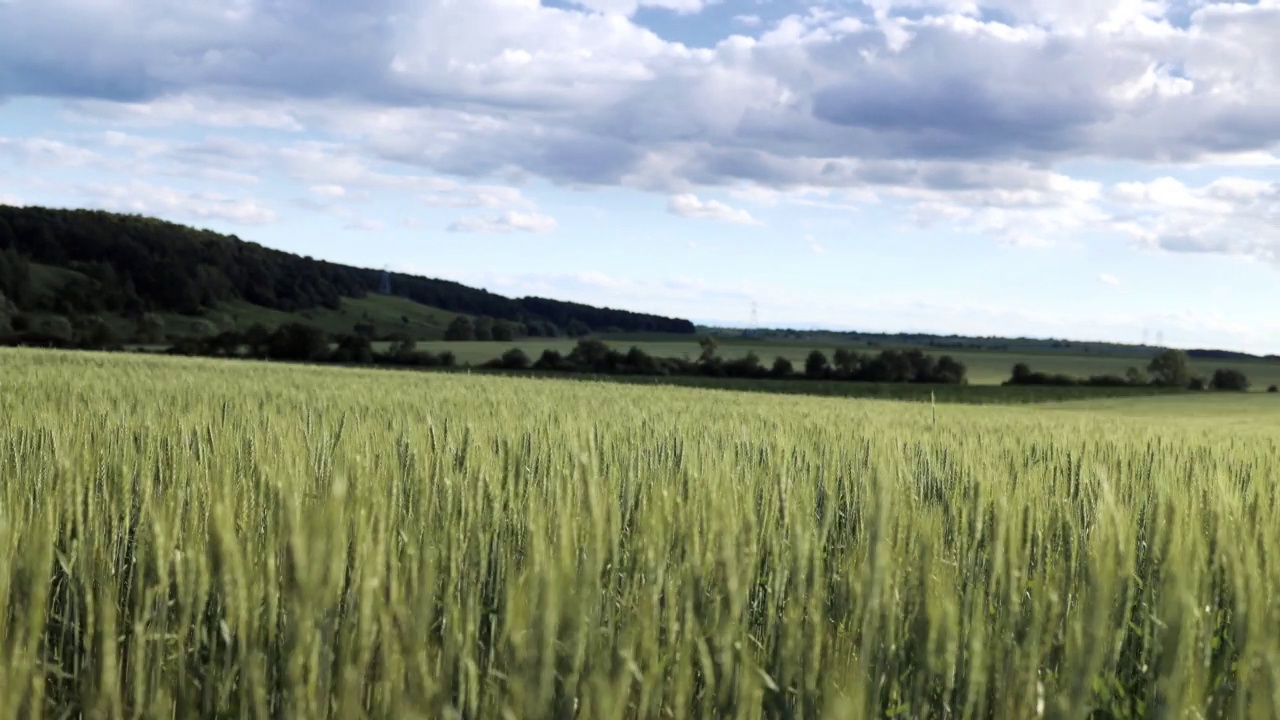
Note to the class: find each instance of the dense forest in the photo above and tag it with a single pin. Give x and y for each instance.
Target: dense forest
(131, 265)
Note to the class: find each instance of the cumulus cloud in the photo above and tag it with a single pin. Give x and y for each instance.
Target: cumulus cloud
(964, 111)
(1230, 215)
(912, 80)
(507, 222)
(688, 205)
(1108, 279)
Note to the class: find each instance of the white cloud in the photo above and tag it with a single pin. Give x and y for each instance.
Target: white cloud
(192, 110)
(935, 105)
(691, 206)
(1230, 216)
(507, 222)
(457, 195)
(629, 7)
(814, 246)
(329, 191)
(1108, 279)
(44, 153)
(145, 198)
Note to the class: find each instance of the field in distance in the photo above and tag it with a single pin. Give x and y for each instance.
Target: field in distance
(221, 538)
(986, 367)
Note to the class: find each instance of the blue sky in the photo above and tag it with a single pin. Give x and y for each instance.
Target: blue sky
(1065, 168)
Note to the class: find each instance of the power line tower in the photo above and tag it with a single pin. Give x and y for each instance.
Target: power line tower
(1160, 339)
(384, 284)
(755, 315)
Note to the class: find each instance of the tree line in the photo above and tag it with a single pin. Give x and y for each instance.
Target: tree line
(303, 343)
(596, 357)
(1169, 368)
(130, 264)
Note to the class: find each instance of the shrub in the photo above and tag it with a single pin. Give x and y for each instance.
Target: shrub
(745, 367)
(1273, 388)
(1230, 379)
(782, 368)
(515, 359)
(550, 360)
(639, 361)
(297, 341)
(353, 349)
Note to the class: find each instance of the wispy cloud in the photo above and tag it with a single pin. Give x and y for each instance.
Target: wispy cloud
(689, 205)
(507, 222)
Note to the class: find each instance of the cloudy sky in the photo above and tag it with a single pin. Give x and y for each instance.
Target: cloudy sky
(1071, 168)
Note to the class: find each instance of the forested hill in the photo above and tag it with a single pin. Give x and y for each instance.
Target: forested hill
(129, 264)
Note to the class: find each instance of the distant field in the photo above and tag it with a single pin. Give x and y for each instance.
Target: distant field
(985, 367)
(903, 392)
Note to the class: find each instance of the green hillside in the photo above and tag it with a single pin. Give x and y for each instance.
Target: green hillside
(84, 264)
(389, 314)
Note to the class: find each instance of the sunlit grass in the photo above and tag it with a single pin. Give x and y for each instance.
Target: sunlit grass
(187, 538)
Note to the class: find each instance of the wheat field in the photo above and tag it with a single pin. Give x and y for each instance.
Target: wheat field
(198, 538)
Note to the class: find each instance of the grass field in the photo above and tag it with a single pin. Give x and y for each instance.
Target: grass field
(195, 538)
(985, 367)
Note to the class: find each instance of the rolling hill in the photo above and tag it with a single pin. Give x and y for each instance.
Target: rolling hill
(119, 267)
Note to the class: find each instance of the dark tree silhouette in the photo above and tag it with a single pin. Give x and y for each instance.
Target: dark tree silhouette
(460, 329)
(816, 365)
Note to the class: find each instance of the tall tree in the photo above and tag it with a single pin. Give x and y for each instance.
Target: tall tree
(460, 330)
(816, 365)
(1171, 368)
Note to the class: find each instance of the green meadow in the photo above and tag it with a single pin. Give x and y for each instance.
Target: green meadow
(204, 538)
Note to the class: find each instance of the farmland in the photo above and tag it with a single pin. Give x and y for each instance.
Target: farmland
(186, 537)
(986, 367)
